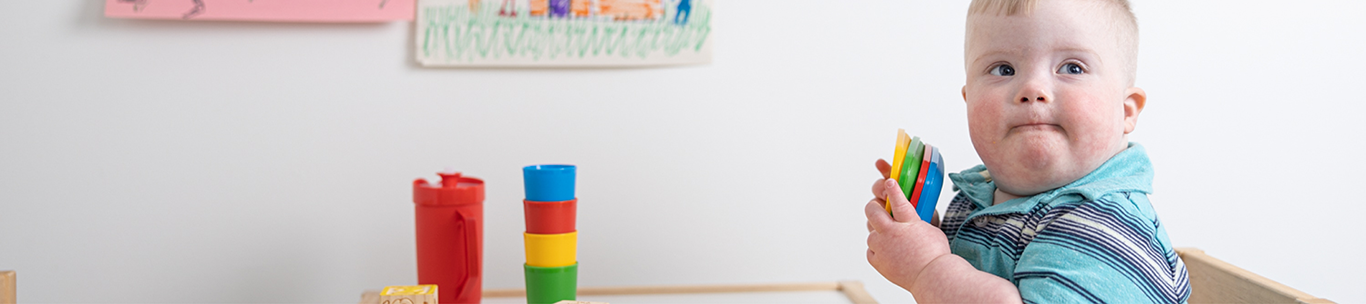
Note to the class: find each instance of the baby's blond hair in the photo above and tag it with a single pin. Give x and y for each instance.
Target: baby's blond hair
(1123, 23)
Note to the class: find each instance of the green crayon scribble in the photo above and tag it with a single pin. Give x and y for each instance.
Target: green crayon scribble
(454, 34)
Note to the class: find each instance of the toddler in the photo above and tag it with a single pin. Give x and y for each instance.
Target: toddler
(1059, 210)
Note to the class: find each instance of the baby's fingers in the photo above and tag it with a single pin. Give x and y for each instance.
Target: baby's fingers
(884, 167)
(878, 187)
(901, 207)
(877, 215)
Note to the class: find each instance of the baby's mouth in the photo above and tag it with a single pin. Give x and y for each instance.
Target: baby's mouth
(1036, 127)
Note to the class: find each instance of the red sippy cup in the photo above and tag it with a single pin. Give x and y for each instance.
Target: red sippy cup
(450, 236)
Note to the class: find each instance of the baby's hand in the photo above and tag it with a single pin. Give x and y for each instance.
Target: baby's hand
(899, 248)
(881, 184)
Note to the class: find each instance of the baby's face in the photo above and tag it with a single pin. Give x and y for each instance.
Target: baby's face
(1048, 97)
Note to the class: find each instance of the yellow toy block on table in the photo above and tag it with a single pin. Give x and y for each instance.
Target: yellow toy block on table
(7, 290)
(418, 294)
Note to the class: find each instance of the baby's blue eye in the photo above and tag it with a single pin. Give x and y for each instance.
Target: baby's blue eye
(1071, 68)
(1003, 70)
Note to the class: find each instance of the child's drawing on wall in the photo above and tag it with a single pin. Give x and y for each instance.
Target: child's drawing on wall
(631, 9)
(623, 10)
(563, 32)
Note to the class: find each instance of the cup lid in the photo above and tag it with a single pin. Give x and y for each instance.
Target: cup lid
(453, 189)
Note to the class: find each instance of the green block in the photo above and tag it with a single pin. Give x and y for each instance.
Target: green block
(910, 167)
(547, 285)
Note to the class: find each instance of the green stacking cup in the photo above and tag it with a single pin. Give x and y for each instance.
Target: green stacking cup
(547, 285)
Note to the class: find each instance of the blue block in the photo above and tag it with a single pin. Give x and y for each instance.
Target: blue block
(934, 182)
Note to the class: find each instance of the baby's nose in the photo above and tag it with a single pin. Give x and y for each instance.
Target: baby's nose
(1026, 99)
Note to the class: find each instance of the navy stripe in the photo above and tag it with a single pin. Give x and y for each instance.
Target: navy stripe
(1159, 285)
(958, 211)
(1103, 230)
(1133, 234)
(1119, 259)
(1114, 263)
(1129, 233)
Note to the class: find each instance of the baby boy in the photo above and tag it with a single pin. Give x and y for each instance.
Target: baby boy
(1059, 211)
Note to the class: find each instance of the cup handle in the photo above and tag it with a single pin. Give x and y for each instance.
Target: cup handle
(471, 249)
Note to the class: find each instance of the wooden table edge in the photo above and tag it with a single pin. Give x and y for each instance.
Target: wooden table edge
(852, 289)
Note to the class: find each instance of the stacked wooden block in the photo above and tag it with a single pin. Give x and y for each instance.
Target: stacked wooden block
(417, 294)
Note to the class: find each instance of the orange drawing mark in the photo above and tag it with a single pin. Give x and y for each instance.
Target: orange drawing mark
(631, 9)
(540, 7)
(580, 8)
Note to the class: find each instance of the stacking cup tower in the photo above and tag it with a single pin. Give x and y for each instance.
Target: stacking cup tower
(552, 267)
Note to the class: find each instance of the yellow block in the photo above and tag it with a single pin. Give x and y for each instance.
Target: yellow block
(419, 294)
(551, 250)
(903, 142)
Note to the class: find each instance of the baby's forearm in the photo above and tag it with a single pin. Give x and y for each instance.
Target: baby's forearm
(951, 279)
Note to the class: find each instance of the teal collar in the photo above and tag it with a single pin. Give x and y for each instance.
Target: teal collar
(1127, 171)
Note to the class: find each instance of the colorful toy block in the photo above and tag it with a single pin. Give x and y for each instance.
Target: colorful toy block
(918, 169)
(417, 294)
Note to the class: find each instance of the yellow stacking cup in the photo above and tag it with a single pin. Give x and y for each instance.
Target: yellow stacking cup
(551, 250)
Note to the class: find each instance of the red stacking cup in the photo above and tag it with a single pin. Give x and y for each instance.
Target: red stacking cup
(450, 236)
(549, 217)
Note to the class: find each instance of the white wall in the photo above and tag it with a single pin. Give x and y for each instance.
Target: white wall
(155, 161)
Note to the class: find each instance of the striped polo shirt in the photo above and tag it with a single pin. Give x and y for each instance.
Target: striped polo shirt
(1096, 240)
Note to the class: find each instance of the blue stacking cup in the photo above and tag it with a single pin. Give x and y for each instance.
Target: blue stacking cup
(548, 183)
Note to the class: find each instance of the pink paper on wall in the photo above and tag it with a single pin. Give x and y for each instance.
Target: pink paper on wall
(264, 10)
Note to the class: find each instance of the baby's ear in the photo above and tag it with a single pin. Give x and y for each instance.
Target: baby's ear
(1134, 99)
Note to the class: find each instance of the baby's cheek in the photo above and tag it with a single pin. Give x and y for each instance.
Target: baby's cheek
(1098, 127)
(983, 111)
(983, 119)
(986, 124)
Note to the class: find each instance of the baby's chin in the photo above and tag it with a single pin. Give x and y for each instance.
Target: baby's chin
(1029, 183)
(1031, 169)
(1030, 161)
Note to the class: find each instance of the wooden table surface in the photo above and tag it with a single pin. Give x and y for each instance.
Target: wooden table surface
(824, 292)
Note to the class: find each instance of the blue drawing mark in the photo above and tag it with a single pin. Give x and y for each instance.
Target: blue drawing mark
(684, 10)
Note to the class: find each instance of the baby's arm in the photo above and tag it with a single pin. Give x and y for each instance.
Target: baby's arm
(915, 255)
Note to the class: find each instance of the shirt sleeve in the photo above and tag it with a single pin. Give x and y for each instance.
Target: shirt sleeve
(1104, 251)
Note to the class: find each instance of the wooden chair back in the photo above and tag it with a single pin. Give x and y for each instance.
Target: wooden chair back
(1215, 281)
